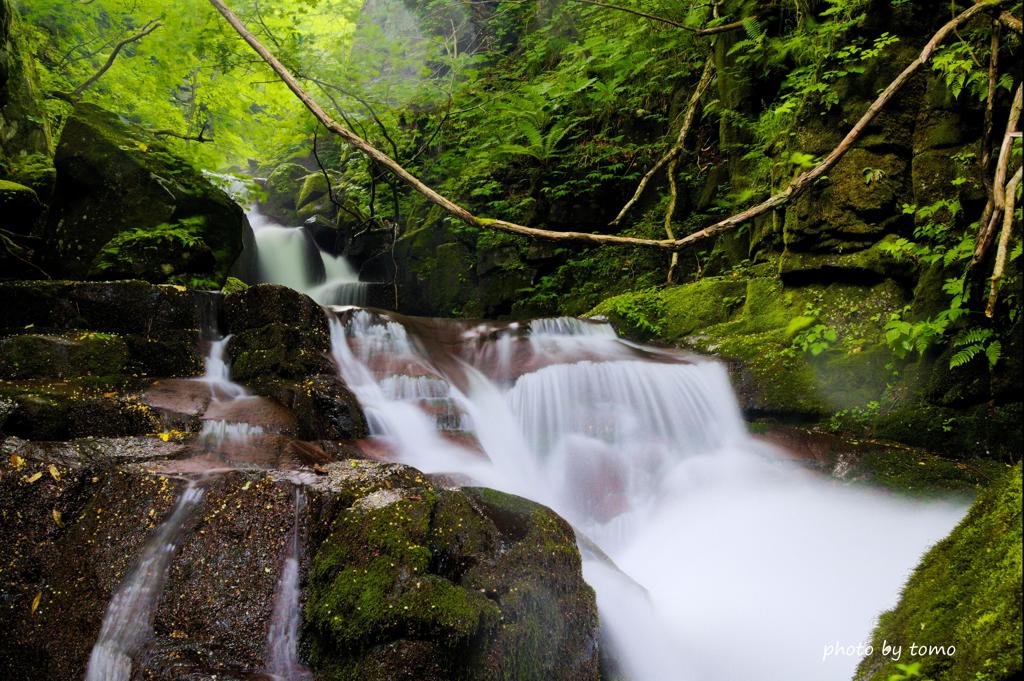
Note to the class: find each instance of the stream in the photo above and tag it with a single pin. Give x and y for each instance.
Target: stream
(714, 557)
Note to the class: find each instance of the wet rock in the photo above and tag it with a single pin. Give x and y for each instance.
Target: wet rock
(469, 584)
(126, 206)
(48, 410)
(74, 354)
(324, 406)
(72, 566)
(212, 617)
(19, 207)
(265, 304)
(134, 307)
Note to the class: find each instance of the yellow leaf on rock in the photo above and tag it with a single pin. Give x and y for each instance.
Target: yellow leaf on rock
(17, 462)
(36, 601)
(57, 518)
(32, 478)
(54, 473)
(164, 436)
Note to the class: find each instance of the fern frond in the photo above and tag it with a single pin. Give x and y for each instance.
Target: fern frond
(973, 336)
(994, 351)
(964, 356)
(753, 28)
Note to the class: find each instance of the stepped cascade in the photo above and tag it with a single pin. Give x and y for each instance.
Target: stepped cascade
(689, 526)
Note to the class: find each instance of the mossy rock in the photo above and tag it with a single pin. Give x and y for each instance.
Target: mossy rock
(965, 594)
(314, 187)
(19, 207)
(871, 264)
(282, 186)
(65, 410)
(127, 307)
(23, 123)
(115, 179)
(855, 209)
(255, 306)
(413, 582)
(158, 254)
(83, 353)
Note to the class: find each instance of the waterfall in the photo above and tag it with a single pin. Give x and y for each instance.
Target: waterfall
(283, 636)
(288, 255)
(719, 558)
(127, 624)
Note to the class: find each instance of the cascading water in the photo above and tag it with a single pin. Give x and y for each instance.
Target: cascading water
(719, 559)
(128, 621)
(289, 255)
(283, 636)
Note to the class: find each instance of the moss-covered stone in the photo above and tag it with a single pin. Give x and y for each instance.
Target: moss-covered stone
(965, 594)
(118, 187)
(23, 124)
(160, 254)
(55, 410)
(127, 307)
(19, 207)
(233, 285)
(83, 353)
(412, 582)
(282, 188)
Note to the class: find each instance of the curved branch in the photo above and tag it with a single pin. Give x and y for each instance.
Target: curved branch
(799, 184)
(1004, 242)
(146, 29)
(677, 148)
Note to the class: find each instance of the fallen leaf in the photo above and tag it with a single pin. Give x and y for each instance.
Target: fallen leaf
(164, 436)
(57, 518)
(17, 462)
(54, 473)
(35, 476)
(36, 601)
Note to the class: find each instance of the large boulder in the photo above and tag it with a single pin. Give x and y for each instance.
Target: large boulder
(412, 582)
(127, 207)
(400, 579)
(280, 347)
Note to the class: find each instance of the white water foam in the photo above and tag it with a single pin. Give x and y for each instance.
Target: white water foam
(732, 561)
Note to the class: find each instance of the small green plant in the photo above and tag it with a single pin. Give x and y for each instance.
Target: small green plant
(908, 671)
(810, 335)
(973, 342)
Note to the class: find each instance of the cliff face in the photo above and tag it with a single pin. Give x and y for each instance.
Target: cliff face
(23, 127)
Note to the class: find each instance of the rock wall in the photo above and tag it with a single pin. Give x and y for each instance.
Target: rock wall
(126, 207)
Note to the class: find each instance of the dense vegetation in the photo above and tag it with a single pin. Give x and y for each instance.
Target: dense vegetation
(876, 297)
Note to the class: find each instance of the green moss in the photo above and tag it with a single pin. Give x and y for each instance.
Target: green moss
(233, 285)
(966, 592)
(169, 253)
(75, 354)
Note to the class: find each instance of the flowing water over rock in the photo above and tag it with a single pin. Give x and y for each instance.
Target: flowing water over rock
(283, 636)
(713, 556)
(127, 625)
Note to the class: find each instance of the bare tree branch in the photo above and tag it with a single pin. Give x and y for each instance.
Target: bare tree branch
(677, 148)
(146, 29)
(994, 207)
(167, 132)
(1004, 242)
(799, 184)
